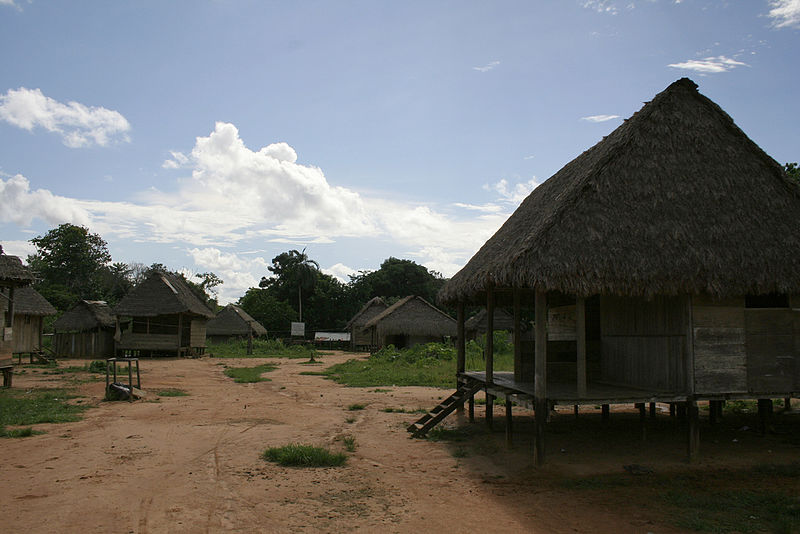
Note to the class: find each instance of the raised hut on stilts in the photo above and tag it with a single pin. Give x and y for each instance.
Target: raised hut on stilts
(674, 244)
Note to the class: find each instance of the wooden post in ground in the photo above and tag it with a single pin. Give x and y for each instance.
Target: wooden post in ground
(605, 413)
(653, 410)
(540, 378)
(764, 412)
(580, 338)
(471, 408)
(642, 419)
(461, 353)
(489, 353)
(509, 417)
(575, 409)
(693, 433)
(787, 404)
(672, 409)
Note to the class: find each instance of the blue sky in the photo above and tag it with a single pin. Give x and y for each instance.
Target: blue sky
(211, 135)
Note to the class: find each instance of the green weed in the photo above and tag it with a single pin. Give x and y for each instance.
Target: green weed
(349, 443)
(355, 407)
(172, 392)
(243, 375)
(262, 348)
(297, 455)
(31, 407)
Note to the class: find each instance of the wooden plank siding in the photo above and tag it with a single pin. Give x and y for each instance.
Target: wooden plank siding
(770, 343)
(719, 345)
(27, 333)
(644, 342)
(91, 344)
(197, 338)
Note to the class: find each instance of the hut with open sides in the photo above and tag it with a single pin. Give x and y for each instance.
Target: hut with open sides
(232, 322)
(674, 243)
(359, 338)
(30, 309)
(85, 331)
(13, 275)
(408, 322)
(161, 316)
(477, 324)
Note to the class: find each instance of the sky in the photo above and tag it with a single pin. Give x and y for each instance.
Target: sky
(212, 135)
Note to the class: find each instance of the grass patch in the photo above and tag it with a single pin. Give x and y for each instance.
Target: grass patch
(246, 375)
(313, 373)
(349, 443)
(262, 348)
(404, 410)
(20, 407)
(431, 364)
(350, 420)
(355, 407)
(297, 455)
(172, 392)
(18, 432)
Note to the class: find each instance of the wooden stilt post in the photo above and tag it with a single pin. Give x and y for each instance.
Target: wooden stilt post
(509, 417)
(471, 406)
(672, 409)
(787, 404)
(461, 352)
(605, 413)
(653, 410)
(575, 409)
(693, 433)
(580, 337)
(540, 377)
(713, 411)
(489, 353)
(764, 412)
(518, 365)
(681, 411)
(642, 419)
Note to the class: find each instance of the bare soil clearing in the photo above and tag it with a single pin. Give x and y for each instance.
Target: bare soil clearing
(191, 464)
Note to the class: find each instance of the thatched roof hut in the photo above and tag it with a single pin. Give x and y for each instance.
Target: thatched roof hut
(12, 272)
(676, 200)
(360, 338)
(30, 307)
(85, 331)
(410, 321)
(477, 324)
(28, 301)
(166, 318)
(233, 322)
(670, 251)
(13, 275)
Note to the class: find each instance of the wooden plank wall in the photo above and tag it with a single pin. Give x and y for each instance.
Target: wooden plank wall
(643, 342)
(720, 354)
(198, 335)
(771, 356)
(91, 344)
(26, 332)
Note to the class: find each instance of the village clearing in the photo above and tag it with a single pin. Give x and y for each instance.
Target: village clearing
(187, 458)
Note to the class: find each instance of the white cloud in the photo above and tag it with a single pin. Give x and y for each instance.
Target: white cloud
(601, 6)
(78, 125)
(599, 118)
(340, 271)
(486, 68)
(785, 13)
(10, 3)
(178, 160)
(709, 65)
(514, 194)
(20, 249)
(238, 274)
(20, 205)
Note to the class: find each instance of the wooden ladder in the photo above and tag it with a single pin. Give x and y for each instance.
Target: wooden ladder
(466, 390)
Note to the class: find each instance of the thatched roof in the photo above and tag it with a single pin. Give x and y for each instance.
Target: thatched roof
(161, 294)
(413, 316)
(502, 321)
(369, 310)
(85, 315)
(28, 301)
(676, 200)
(12, 272)
(234, 321)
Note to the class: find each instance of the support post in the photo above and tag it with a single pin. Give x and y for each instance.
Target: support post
(472, 408)
(461, 350)
(489, 353)
(693, 433)
(787, 404)
(540, 378)
(580, 337)
(764, 412)
(509, 417)
(605, 413)
(517, 337)
(642, 419)
(653, 410)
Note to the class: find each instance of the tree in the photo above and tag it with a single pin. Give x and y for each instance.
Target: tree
(69, 261)
(792, 170)
(292, 271)
(115, 281)
(273, 314)
(397, 278)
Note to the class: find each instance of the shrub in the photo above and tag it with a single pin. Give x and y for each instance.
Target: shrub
(297, 455)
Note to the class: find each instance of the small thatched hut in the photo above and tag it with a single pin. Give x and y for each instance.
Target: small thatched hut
(30, 309)
(360, 338)
(161, 316)
(408, 322)
(85, 331)
(674, 244)
(13, 275)
(232, 322)
(477, 324)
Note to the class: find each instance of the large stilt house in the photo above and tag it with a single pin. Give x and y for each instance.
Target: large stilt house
(161, 316)
(674, 247)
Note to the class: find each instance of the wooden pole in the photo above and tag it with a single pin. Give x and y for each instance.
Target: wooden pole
(540, 378)
(461, 350)
(642, 419)
(693, 434)
(605, 413)
(489, 353)
(509, 417)
(517, 336)
(580, 336)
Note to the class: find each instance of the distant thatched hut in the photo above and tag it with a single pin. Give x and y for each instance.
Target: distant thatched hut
(232, 322)
(477, 324)
(13, 275)
(408, 322)
(161, 316)
(85, 331)
(30, 309)
(674, 244)
(360, 338)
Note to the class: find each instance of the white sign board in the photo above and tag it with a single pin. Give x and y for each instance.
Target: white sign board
(299, 329)
(332, 336)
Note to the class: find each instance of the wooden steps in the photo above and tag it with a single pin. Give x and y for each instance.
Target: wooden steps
(466, 390)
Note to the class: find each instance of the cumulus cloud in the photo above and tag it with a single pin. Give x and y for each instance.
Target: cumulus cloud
(513, 194)
(20, 249)
(486, 68)
(599, 118)
(340, 271)
(237, 273)
(709, 65)
(785, 13)
(20, 205)
(78, 125)
(601, 6)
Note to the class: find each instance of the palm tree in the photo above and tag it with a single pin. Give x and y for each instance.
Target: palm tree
(305, 274)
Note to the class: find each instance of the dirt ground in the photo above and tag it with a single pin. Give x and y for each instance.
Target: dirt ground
(191, 464)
